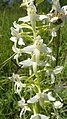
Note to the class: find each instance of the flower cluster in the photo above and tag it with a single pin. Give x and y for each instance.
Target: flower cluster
(38, 62)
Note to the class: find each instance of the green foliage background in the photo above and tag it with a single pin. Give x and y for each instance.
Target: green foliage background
(8, 100)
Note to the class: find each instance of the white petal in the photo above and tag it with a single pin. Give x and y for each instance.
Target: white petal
(24, 19)
(16, 56)
(14, 32)
(21, 103)
(48, 50)
(33, 99)
(14, 39)
(29, 49)
(41, 17)
(54, 19)
(26, 63)
(53, 58)
(50, 97)
(44, 64)
(52, 78)
(64, 9)
(39, 116)
(53, 33)
(20, 42)
(22, 112)
(18, 87)
(17, 26)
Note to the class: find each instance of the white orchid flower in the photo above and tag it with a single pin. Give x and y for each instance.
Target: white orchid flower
(64, 9)
(58, 104)
(17, 52)
(18, 87)
(18, 84)
(39, 116)
(58, 69)
(39, 97)
(16, 35)
(57, 16)
(24, 106)
(31, 11)
(30, 62)
(32, 16)
(16, 77)
(50, 97)
(35, 51)
(38, 45)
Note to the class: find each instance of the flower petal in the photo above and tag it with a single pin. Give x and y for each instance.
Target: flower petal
(39, 116)
(20, 42)
(50, 97)
(24, 19)
(26, 63)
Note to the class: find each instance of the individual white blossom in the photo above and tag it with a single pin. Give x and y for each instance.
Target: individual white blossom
(39, 116)
(35, 50)
(16, 35)
(18, 87)
(18, 53)
(64, 9)
(58, 104)
(38, 97)
(30, 62)
(16, 77)
(32, 16)
(58, 69)
(18, 84)
(23, 106)
(38, 45)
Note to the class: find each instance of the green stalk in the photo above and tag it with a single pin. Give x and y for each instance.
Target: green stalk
(24, 116)
(57, 46)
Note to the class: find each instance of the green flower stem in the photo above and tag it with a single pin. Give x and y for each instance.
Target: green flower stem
(34, 109)
(57, 46)
(24, 116)
(30, 71)
(34, 33)
(38, 84)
